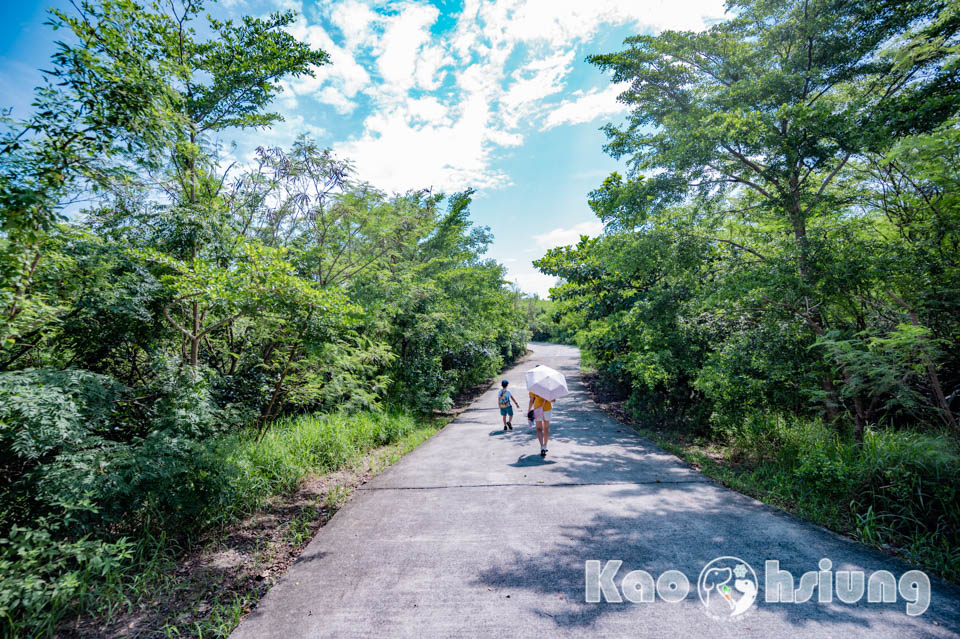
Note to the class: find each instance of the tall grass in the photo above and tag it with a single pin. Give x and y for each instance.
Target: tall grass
(898, 491)
(299, 446)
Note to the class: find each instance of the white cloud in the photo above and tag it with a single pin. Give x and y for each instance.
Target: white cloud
(595, 103)
(530, 280)
(566, 237)
(355, 21)
(443, 105)
(427, 110)
(532, 83)
(402, 52)
(283, 136)
(336, 83)
(560, 22)
(432, 60)
(404, 147)
(336, 98)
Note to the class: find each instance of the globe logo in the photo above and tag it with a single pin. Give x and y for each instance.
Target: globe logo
(727, 587)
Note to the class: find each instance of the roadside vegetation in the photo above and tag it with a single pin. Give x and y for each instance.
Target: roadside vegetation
(185, 335)
(283, 491)
(546, 325)
(776, 294)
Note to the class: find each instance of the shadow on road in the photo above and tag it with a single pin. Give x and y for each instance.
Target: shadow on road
(683, 528)
(659, 515)
(475, 535)
(528, 461)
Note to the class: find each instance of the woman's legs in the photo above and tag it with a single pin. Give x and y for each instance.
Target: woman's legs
(543, 432)
(538, 418)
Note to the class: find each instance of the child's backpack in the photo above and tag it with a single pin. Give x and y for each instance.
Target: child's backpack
(503, 399)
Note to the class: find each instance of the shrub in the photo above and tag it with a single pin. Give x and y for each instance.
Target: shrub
(898, 488)
(46, 418)
(912, 481)
(73, 450)
(43, 576)
(174, 485)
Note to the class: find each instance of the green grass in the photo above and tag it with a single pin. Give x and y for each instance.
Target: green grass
(899, 491)
(301, 448)
(248, 475)
(220, 621)
(304, 445)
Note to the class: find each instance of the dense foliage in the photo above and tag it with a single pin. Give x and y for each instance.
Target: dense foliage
(786, 240)
(546, 324)
(188, 302)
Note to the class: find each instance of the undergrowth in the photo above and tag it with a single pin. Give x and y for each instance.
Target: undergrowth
(46, 574)
(899, 491)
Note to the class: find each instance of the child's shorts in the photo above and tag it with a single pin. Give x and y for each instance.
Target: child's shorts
(507, 411)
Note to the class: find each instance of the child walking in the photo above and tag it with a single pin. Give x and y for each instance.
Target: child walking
(503, 400)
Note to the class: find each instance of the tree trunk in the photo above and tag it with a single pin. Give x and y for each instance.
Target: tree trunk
(195, 339)
(831, 405)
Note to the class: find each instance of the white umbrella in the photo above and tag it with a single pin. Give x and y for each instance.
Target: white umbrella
(546, 382)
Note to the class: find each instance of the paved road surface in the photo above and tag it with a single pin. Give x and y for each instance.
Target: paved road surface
(473, 535)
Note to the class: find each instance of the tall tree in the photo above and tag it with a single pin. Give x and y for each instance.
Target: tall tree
(104, 95)
(773, 104)
(226, 79)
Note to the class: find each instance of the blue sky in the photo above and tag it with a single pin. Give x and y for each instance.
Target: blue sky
(448, 94)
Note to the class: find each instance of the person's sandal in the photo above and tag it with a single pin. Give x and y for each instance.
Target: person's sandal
(510, 425)
(504, 427)
(543, 452)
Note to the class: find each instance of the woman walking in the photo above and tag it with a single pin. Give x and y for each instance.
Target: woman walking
(541, 415)
(545, 385)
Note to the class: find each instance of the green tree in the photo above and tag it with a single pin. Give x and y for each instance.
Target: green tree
(771, 106)
(96, 104)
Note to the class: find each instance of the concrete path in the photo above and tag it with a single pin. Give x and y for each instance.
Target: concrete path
(473, 535)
